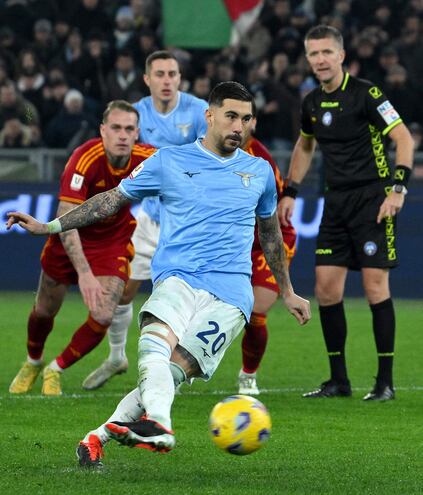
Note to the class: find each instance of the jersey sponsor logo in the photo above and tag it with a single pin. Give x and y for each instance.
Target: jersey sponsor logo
(76, 182)
(150, 130)
(388, 112)
(184, 128)
(370, 248)
(136, 171)
(324, 251)
(327, 119)
(101, 183)
(329, 104)
(191, 174)
(245, 178)
(375, 92)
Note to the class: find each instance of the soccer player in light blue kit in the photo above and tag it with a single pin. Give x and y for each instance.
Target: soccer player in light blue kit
(202, 292)
(167, 117)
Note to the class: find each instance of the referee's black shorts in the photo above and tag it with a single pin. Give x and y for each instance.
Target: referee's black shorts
(349, 235)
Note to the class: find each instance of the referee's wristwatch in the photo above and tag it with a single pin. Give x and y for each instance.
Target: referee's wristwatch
(400, 188)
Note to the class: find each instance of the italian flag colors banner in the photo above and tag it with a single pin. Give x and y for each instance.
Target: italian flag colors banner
(207, 23)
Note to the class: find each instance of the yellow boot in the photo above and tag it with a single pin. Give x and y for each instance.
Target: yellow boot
(51, 382)
(25, 379)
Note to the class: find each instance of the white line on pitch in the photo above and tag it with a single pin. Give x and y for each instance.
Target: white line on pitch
(96, 395)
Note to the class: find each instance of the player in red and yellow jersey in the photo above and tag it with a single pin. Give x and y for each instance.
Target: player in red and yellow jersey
(265, 288)
(96, 257)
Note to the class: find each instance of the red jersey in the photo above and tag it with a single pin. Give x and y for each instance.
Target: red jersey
(87, 173)
(255, 148)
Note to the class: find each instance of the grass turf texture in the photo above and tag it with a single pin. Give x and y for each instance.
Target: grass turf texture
(328, 446)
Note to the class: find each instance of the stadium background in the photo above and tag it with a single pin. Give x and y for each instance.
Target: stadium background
(60, 62)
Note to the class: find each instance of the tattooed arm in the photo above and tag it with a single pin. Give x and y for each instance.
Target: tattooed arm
(101, 206)
(90, 287)
(271, 242)
(72, 242)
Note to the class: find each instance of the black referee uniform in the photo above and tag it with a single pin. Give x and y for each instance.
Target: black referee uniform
(350, 125)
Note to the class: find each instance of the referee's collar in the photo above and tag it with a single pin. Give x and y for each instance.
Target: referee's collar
(344, 83)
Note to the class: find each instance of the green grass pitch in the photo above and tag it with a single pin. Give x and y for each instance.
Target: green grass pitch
(332, 446)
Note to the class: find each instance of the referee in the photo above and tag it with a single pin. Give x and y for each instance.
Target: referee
(350, 119)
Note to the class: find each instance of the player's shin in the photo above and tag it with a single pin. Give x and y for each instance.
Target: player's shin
(156, 383)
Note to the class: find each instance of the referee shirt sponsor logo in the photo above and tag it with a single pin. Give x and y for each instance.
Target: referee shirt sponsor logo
(327, 119)
(388, 112)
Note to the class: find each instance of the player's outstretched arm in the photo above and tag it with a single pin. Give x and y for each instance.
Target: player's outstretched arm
(271, 242)
(97, 208)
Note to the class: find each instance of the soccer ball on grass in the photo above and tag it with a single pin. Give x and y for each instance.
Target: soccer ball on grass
(239, 424)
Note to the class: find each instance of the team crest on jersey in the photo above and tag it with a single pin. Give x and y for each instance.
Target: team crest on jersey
(76, 182)
(327, 119)
(245, 178)
(375, 92)
(136, 171)
(370, 248)
(184, 128)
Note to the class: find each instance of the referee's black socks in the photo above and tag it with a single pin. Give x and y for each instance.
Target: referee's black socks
(334, 326)
(384, 332)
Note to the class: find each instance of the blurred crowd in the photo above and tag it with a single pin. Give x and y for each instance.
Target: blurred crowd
(62, 60)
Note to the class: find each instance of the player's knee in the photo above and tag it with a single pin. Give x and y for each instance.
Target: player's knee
(327, 295)
(45, 310)
(104, 318)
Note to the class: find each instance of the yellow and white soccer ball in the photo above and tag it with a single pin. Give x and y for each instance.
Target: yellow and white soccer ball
(240, 424)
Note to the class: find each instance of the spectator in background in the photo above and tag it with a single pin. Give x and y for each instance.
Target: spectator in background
(201, 87)
(142, 44)
(125, 81)
(96, 62)
(124, 27)
(363, 60)
(402, 95)
(274, 108)
(30, 77)
(44, 45)
(256, 42)
(61, 29)
(17, 14)
(410, 49)
(9, 48)
(276, 17)
(14, 134)
(388, 57)
(146, 14)
(89, 15)
(279, 65)
(54, 92)
(70, 120)
(13, 104)
(72, 52)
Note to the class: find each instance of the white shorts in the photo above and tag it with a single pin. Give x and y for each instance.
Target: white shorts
(144, 238)
(205, 325)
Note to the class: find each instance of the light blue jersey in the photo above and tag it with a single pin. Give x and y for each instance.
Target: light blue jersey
(208, 206)
(184, 124)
